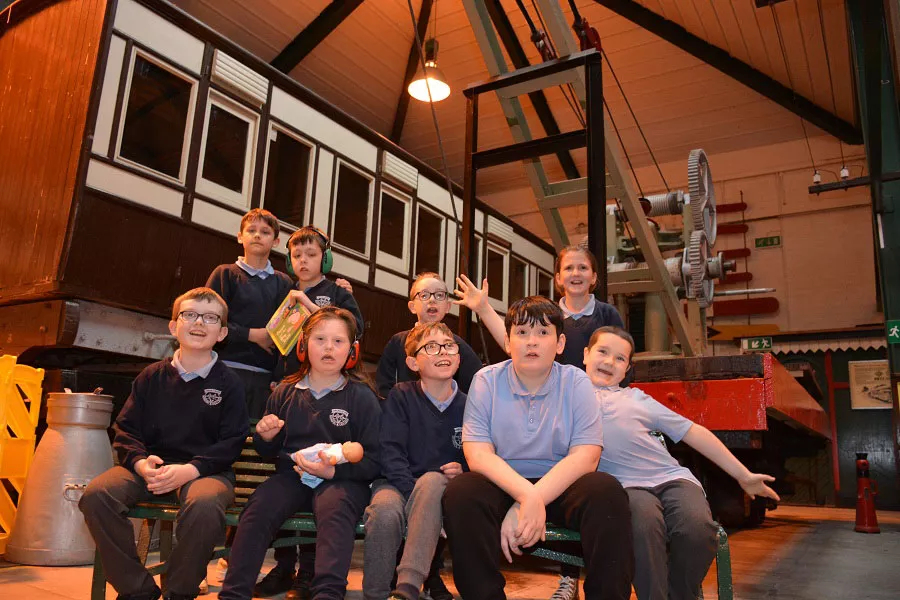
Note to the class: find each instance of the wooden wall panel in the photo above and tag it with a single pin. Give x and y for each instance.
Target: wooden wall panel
(46, 75)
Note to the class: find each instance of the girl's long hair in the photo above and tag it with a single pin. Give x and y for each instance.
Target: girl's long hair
(356, 373)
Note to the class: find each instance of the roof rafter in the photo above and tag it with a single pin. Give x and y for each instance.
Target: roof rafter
(313, 34)
(412, 65)
(721, 60)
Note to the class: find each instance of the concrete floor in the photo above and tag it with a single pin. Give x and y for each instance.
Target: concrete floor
(799, 553)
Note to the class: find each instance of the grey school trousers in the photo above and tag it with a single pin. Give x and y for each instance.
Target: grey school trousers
(200, 523)
(386, 519)
(676, 514)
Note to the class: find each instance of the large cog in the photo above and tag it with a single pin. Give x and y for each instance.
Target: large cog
(700, 285)
(703, 195)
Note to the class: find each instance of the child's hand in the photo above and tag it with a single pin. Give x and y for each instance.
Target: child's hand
(172, 477)
(269, 426)
(469, 295)
(148, 468)
(532, 520)
(295, 296)
(341, 282)
(322, 469)
(451, 469)
(509, 541)
(755, 485)
(261, 338)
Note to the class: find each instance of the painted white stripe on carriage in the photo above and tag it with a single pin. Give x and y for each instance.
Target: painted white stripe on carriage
(281, 248)
(322, 200)
(532, 252)
(391, 283)
(438, 197)
(107, 109)
(350, 267)
(160, 35)
(479, 221)
(123, 184)
(454, 310)
(451, 264)
(316, 125)
(216, 217)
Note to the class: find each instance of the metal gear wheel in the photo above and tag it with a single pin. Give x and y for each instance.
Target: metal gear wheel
(703, 195)
(698, 284)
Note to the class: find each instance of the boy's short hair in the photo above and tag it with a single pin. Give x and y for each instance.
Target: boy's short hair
(534, 310)
(420, 277)
(261, 214)
(200, 293)
(308, 234)
(420, 332)
(616, 331)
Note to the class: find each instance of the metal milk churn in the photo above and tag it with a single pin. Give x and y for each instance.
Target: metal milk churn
(49, 529)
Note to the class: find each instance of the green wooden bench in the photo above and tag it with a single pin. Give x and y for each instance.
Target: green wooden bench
(251, 470)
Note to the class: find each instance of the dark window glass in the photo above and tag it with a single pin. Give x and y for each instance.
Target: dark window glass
(517, 276)
(428, 242)
(226, 149)
(392, 228)
(351, 209)
(495, 273)
(287, 175)
(545, 285)
(155, 118)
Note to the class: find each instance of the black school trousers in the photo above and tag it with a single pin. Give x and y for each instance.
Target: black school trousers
(337, 506)
(595, 505)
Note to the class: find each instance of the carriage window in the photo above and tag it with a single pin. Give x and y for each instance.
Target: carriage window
(393, 230)
(226, 156)
(496, 272)
(287, 177)
(545, 284)
(518, 279)
(352, 207)
(429, 241)
(157, 117)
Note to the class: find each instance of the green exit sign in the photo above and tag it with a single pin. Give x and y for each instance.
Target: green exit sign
(893, 332)
(757, 344)
(771, 241)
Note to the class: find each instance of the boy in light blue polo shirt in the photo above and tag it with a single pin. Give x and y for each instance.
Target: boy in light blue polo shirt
(532, 436)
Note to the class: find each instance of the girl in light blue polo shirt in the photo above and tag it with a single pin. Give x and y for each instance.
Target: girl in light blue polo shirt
(668, 505)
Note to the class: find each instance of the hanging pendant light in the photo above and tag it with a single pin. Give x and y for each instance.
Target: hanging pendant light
(430, 84)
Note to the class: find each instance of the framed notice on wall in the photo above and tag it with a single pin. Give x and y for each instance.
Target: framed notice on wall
(870, 384)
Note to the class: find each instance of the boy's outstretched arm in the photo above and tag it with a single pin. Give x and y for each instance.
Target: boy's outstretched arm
(703, 441)
(476, 300)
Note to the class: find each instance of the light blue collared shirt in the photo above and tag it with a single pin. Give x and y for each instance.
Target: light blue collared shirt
(303, 384)
(202, 372)
(587, 311)
(252, 272)
(442, 406)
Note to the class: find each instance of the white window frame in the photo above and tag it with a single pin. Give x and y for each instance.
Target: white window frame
(526, 287)
(189, 123)
(401, 265)
(213, 190)
(275, 129)
(537, 282)
(371, 207)
(500, 305)
(420, 206)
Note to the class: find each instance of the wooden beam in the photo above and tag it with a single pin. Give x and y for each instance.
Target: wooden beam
(313, 34)
(412, 64)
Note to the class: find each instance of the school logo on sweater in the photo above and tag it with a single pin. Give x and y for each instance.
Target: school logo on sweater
(457, 437)
(322, 301)
(212, 397)
(339, 417)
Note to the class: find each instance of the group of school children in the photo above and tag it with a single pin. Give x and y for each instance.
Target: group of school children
(481, 458)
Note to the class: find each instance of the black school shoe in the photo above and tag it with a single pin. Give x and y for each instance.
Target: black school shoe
(154, 595)
(173, 596)
(276, 581)
(435, 589)
(301, 589)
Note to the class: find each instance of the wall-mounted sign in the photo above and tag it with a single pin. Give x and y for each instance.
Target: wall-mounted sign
(870, 384)
(771, 241)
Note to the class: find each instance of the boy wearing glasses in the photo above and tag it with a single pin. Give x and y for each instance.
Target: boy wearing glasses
(180, 430)
(429, 300)
(421, 450)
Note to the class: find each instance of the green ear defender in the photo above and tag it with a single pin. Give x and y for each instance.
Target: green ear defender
(327, 256)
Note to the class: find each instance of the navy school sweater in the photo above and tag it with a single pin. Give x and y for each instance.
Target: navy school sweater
(203, 422)
(392, 367)
(350, 414)
(251, 303)
(417, 438)
(578, 332)
(324, 293)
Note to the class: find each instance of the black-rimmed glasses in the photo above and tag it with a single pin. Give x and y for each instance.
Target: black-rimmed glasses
(439, 296)
(190, 316)
(433, 348)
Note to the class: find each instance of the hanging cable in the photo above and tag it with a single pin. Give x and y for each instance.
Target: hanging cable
(830, 80)
(787, 69)
(525, 14)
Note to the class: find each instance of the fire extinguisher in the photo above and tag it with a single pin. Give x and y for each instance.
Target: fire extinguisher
(866, 490)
